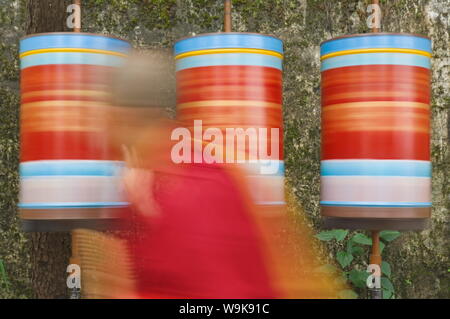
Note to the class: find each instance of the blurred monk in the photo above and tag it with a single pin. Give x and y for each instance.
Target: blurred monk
(194, 232)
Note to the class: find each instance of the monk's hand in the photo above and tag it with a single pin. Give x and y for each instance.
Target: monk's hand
(138, 183)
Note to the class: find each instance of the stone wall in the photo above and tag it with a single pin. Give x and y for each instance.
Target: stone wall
(420, 261)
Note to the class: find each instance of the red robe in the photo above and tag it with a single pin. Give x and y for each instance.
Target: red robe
(201, 241)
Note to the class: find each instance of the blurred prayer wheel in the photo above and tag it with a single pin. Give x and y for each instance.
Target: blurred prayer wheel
(375, 165)
(233, 81)
(69, 177)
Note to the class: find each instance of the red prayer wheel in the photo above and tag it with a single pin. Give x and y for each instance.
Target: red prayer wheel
(375, 167)
(69, 176)
(231, 85)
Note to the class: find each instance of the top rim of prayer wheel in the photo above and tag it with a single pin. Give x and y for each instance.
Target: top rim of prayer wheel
(376, 41)
(57, 40)
(374, 34)
(74, 34)
(252, 40)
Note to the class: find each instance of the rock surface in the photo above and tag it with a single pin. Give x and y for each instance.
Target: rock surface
(420, 261)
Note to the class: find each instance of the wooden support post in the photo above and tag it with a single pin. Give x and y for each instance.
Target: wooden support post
(374, 28)
(77, 2)
(49, 251)
(227, 16)
(75, 294)
(375, 255)
(375, 259)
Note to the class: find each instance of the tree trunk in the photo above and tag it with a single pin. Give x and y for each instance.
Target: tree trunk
(49, 252)
(47, 16)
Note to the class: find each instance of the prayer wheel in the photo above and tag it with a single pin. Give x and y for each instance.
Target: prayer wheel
(69, 176)
(375, 162)
(232, 83)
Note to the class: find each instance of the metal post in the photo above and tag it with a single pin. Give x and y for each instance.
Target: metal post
(77, 2)
(227, 16)
(375, 256)
(375, 259)
(375, 29)
(75, 293)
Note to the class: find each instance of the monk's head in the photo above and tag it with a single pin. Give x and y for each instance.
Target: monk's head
(142, 91)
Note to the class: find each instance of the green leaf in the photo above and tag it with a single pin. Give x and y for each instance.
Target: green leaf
(386, 268)
(357, 250)
(388, 288)
(340, 234)
(3, 275)
(347, 294)
(358, 278)
(344, 258)
(382, 245)
(361, 239)
(387, 294)
(389, 235)
(349, 246)
(386, 284)
(354, 250)
(325, 235)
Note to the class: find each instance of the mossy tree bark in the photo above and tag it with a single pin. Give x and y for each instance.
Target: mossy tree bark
(47, 16)
(49, 252)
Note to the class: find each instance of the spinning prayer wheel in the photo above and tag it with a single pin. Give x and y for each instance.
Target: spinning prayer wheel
(234, 81)
(375, 165)
(69, 176)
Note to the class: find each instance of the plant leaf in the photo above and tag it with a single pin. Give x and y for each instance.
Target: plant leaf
(325, 235)
(386, 284)
(354, 250)
(361, 239)
(349, 246)
(357, 250)
(388, 288)
(382, 245)
(386, 268)
(340, 234)
(389, 235)
(358, 278)
(344, 258)
(387, 294)
(3, 275)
